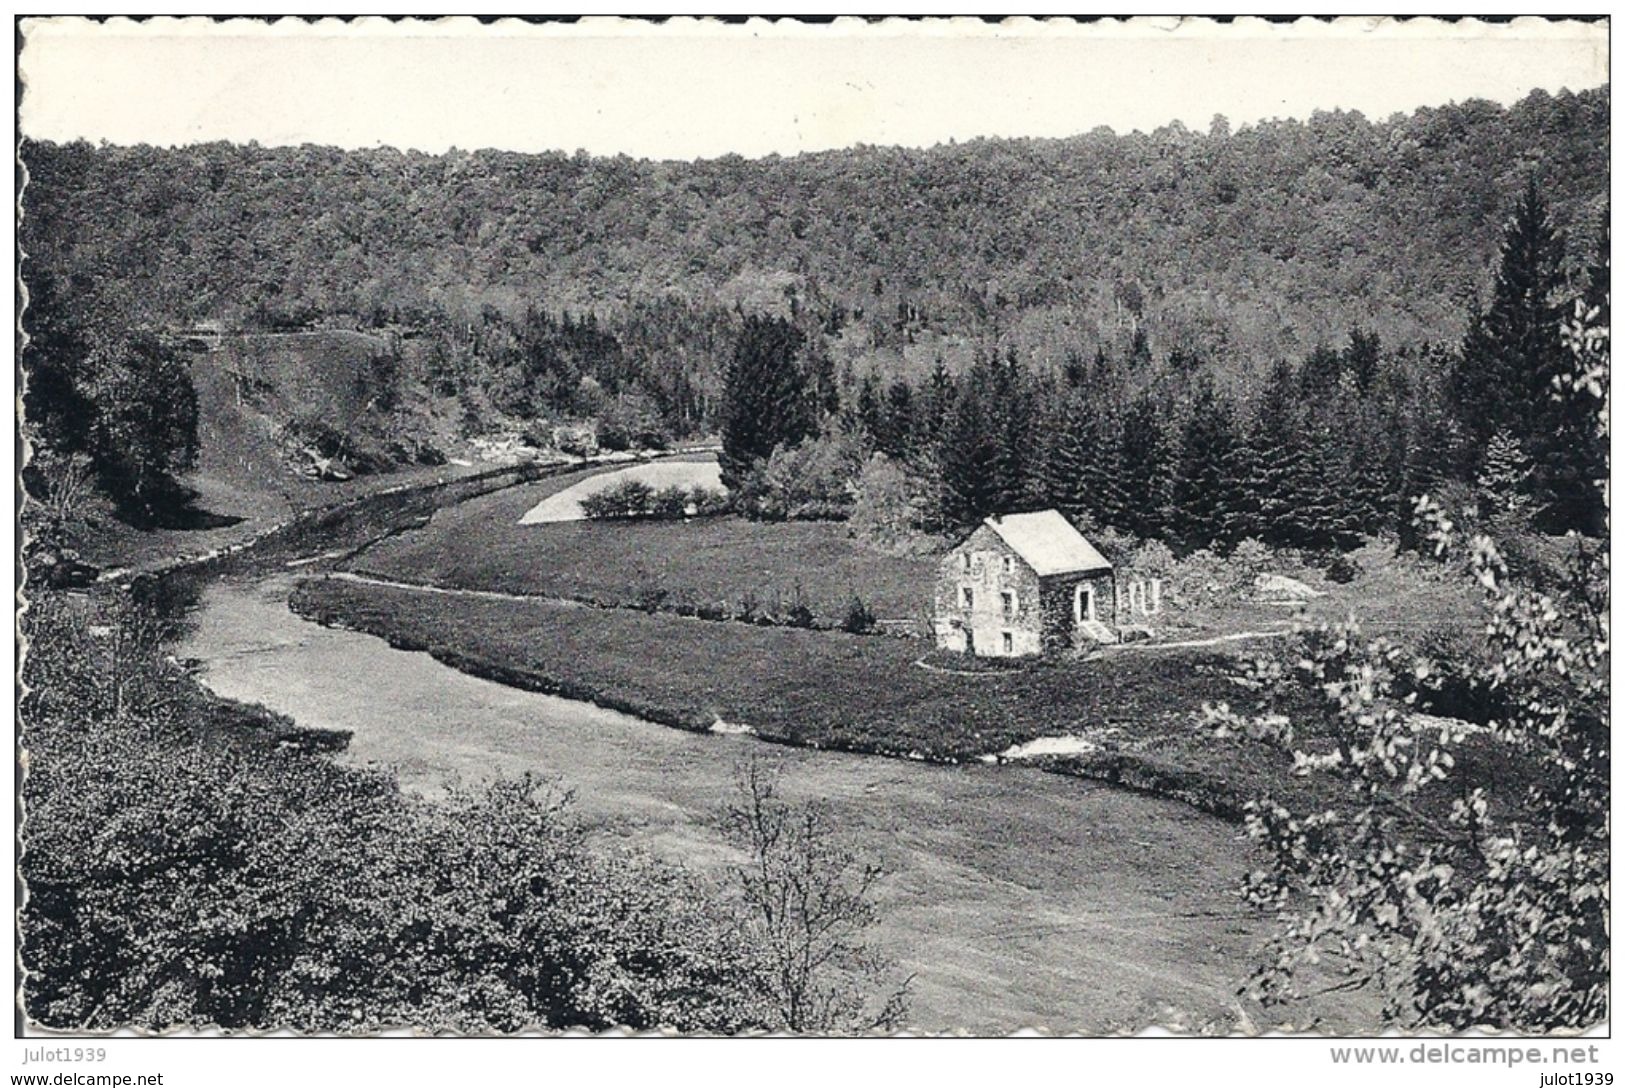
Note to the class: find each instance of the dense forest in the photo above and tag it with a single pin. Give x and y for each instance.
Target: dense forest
(1121, 325)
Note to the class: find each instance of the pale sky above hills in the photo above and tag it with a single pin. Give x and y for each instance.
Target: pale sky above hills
(687, 90)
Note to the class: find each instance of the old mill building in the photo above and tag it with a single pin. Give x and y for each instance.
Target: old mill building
(1025, 584)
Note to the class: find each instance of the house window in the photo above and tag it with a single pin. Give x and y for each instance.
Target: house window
(1009, 565)
(966, 558)
(1009, 642)
(967, 597)
(1083, 605)
(1009, 601)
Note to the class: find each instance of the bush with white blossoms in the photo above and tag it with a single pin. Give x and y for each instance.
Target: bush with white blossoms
(1469, 899)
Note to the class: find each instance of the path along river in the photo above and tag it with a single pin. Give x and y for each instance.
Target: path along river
(1017, 899)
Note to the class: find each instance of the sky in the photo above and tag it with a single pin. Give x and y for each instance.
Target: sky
(689, 89)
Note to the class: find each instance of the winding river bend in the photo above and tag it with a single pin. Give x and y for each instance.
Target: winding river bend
(1017, 899)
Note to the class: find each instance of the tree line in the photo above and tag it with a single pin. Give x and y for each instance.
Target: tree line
(1314, 454)
(1257, 241)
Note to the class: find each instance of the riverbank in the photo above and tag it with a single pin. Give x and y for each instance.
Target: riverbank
(1131, 714)
(1017, 899)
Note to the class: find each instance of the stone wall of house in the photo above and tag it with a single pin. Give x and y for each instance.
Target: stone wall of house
(993, 625)
(1059, 597)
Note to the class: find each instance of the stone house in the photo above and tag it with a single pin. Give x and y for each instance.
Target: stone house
(1024, 584)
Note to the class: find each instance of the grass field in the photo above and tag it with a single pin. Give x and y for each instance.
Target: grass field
(481, 545)
(829, 690)
(724, 561)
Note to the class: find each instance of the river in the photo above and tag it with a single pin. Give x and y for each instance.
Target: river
(1017, 899)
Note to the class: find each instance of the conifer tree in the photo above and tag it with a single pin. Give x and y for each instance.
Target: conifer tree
(764, 401)
(970, 456)
(1362, 358)
(1071, 445)
(1504, 478)
(1574, 452)
(935, 405)
(1324, 516)
(896, 435)
(1147, 469)
(1513, 350)
(1015, 472)
(1204, 483)
(1280, 480)
(1243, 514)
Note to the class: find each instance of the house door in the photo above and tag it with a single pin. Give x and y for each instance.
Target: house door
(1083, 605)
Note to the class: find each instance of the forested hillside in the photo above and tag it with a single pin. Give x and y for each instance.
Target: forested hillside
(1116, 304)
(1260, 242)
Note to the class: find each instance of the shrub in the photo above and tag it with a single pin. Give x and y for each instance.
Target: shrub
(812, 481)
(670, 503)
(889, 511)
(626, 499)
(1342, 569)
(361, 928)
(799, 615)
(1152, 559)
(1488, 906)
(632, 421)
(1117, 546)
(859, 620)
(708, 501)
(576, 441)
(537, 434)
(1249, 559)
(636, 499)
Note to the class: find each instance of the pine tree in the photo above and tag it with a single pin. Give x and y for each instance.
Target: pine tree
(1203, 486)
(1243, 514)
(1362, 358)
(969, 457)
(935, 405)
(1104, 496)
(1513, 350)
(1504, 478)
(1325, 516)
(764, 402)
(896, 435)
(1015, 410)
(1280, 481)
(1070, 448)
(866, 412)
(1575, 453)
(1147, 468)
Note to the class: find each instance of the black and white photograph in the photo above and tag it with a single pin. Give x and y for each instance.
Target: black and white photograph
(723, 527)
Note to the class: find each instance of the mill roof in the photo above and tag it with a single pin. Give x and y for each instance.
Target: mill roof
(1048, 543)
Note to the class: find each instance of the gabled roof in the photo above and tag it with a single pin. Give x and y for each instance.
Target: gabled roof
(1048, 543)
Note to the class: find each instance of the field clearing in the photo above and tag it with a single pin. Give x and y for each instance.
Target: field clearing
(481, 545)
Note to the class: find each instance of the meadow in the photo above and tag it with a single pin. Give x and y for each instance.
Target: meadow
(832, 690)
(710, 561)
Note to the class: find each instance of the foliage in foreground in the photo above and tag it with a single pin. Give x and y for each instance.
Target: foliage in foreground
(808, 904)
(1495, 911)
(183, 868)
